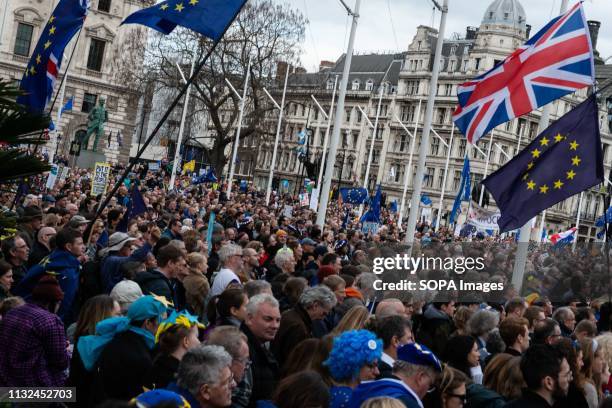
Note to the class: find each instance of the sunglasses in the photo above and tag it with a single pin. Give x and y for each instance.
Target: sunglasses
(462, 397)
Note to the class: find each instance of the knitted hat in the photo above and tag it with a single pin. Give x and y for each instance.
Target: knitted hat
(48, 289)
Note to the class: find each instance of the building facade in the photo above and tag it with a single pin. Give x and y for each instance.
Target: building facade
(93, 73)
(403, 80)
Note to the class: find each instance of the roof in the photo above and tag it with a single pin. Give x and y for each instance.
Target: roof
(506, 12)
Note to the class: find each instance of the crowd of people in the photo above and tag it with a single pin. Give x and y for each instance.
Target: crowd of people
(210, 301)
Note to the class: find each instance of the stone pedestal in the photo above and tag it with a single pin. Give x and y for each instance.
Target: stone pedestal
(88, 159)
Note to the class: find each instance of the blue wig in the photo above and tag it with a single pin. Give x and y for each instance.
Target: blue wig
(351, 351)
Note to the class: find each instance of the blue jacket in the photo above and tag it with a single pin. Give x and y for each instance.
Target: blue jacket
(111, 266)
(387, 387)
(66, 267)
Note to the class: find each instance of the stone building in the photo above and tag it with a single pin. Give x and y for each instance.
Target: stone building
(93, 71)
(405, 80)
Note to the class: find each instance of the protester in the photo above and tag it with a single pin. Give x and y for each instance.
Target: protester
(227, 309)
(230, 256)
(42, 245)
(394, 331)
(6, 279)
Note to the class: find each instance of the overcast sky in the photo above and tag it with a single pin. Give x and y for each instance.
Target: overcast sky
(389, 25)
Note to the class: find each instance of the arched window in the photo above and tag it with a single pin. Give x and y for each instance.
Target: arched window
(355, 85)
(369, 85)
(330, 85)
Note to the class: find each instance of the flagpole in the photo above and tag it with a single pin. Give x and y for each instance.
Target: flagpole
(450, 148)
(179, 140)
(238, 130)
(281, 109)
(374, 131)
(57, 122)
(525, 231)
(578, 221)
(157, 128)
(333, 148)
(416, 191)
(541, 228)
(408, 171)
(326, 139)
(486, 171)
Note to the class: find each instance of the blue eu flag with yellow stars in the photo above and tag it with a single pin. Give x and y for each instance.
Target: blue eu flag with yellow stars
(562, 161)
(354, 195)
(42, 70)
(207, 17)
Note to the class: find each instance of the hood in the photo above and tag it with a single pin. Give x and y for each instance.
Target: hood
(433, 313)
(379, 388)
(59, 260)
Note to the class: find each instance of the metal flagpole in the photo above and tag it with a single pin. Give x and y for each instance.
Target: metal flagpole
(486, 171)
(58, 117)
(333, 148)
(525, 231)
(367, 173)
(281, 108)
(450, 148)
(408, 172)
(326, 139)
(179, 140)
(541, 228)
(578, 221)
(416, 191)
(238, 129)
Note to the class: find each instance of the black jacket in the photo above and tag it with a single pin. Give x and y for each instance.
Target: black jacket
(162, 372)
(385, 370)
(264, 367)
(155, 282)
(529, 399)
(39, 251)
(435, 330)
(121, 369)
(295, 326)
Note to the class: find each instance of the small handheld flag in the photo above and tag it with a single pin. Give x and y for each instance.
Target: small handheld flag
(354, 195)
(464, 189)
(564, 160)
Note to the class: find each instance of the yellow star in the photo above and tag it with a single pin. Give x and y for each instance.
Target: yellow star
(163, 6)
(38, 59)
(52, 19)
(574, 145)
(570, 174)
(47, 44)
(544, 141)
(32, 70)
(531, 185)
(558, 184)
(558, 138)
(530, 166)
(162, 299)
(544, 189)
(52, 30)
(194, 2)
(179, 7)
(576, 160)
(535, 153)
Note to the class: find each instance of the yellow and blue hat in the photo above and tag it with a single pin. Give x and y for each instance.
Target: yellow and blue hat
(183, 318)
(418, 354)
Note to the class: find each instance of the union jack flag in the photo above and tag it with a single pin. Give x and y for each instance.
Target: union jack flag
(556, 61)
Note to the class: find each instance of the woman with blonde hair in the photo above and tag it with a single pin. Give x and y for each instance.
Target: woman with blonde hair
(605, 344)
(382, 402)
(196, 285)
(593, 365)
(502, 383)
(354, 319)
(461, 317)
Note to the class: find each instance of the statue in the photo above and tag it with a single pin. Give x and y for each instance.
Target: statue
(95, 124)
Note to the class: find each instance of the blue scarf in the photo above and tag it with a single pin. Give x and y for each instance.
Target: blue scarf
(90, 347)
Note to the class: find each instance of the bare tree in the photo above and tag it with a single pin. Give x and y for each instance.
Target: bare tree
(265, 31)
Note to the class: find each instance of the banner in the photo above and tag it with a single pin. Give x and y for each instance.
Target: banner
(52, 176)
(288, 211)
(100, 178)
(483, 219)
(304, 200)
(314, 199)
(64, 172)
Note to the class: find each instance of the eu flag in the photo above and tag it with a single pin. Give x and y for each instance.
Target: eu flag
(135, 207)
(42, 70)
(354, 195)
(207, 17)
(373, 213)
(562, 161)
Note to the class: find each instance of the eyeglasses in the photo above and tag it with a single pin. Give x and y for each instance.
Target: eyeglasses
(462, 397)
(245, 362)
(567, 375)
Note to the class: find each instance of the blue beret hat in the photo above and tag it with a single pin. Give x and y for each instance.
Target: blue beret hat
(158, 397)
(417, 354)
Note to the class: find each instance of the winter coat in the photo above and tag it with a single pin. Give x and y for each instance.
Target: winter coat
(295, 326)
(264, 367)
(435, 330)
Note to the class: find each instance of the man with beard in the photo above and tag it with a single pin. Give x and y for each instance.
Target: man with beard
(547, 375)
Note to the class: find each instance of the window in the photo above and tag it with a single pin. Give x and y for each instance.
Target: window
(347, 115)
(448, 89)
(355, 85)
(358, 116)
(407, 113)
(456, 180)
(23, 40)
(379, 132)
(96, 54)
(369, 85)
(89, 101)
(429, 177)
(462, 143)
(403, 142)
(440, 179)
(434, 146)
(355, 140)
(375, 156)
(419, 44)
(104, 5)
(477, 65)
(412, 88)
(452, 66)
(533, 130)
(330, 85)
(453, 50)
(384, 110)
(503, 159)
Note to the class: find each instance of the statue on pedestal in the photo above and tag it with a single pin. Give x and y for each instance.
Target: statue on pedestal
(98, 116)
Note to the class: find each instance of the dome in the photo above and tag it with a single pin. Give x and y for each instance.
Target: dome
(506, 12)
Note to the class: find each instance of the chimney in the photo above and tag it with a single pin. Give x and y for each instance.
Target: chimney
(470, 33)
(594, 30)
